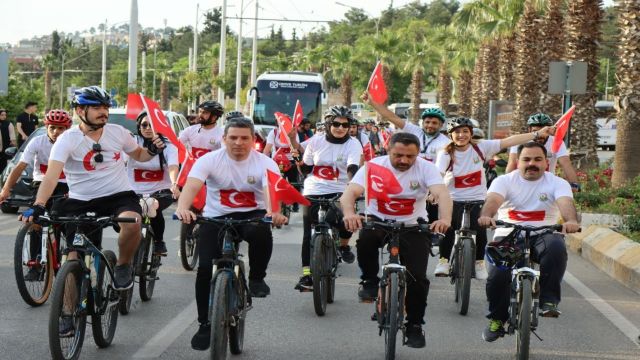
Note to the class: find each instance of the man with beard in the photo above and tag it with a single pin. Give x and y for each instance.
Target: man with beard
(204, 136)
(535, 197)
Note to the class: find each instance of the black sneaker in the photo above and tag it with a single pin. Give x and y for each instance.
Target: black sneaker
(65, 327)
(346, 254)
(32, 275)
(493, 331)
(550, 310)
(123, 277)
(160, 248)
(368, 291)
(202, 339)
(415, 336)
(305, 284)
(259, 288)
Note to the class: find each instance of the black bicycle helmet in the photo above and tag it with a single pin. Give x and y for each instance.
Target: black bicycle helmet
(503, 254)
(234, 114)
(90, 95)
(337, 111)
(455, 123)
(213, 107)
(539, 119)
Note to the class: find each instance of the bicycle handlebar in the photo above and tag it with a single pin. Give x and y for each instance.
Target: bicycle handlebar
(315, 200)
(504, 224)
(88, 218)
(228, 221)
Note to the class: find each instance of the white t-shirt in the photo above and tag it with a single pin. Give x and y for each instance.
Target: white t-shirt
(36, 153)
(330, 162)
(529, 202)
(233, 186)
(274, 139)
(364, 139)
(87, 178)
(429, 147)
(553, 158)
(467, 182)
(411, 203)
(200, 140)
(147, 177)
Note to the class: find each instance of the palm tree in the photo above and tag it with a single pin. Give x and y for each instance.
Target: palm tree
(444, 86)
(476, 85)
(342, 70)
(583, 33)
(48, 62)
(463, 92)
(628, 122)
(552, 46)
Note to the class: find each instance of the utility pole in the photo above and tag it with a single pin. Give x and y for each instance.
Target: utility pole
(223, 49)
(195, 55)
(103, 79)
(239, 62)
(62, 82)
(144, 72)
(254, 56)
(155, 50)
(133, 46)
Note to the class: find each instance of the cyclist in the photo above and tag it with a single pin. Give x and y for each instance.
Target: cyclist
(234, 114)
(461, 163)
(335, 158)
(358, 134)
(36, 153)
(304, 130)
(157, 176)
(418, 177)
(236, 193)
(204, 136)
(92, 157)
(528, 196)
(536, 122)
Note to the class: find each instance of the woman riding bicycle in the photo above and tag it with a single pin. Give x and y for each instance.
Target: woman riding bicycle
(335, 158)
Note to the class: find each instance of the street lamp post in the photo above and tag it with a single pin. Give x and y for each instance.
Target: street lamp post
(103, 79)
(239, 59)
(223, 49)
(62, 81)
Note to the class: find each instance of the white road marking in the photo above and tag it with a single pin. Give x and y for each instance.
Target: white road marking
(617, 319)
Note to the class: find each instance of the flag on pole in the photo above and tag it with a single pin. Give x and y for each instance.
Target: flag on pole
(298, 114)
(281, 191)
(367, 151)
(380, 182)
(285, 126)
(562, 126)
(134, 106)
(160, 124)
(377, 88)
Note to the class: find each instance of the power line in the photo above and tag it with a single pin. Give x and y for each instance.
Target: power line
(283, 20)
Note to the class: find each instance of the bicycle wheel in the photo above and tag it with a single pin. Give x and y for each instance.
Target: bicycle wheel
(236, 328)
(34, 290)
(319, 274)
(218, 313)
(105, 317)
(391, 316)
(66, 306)
(523, 330)
(188, 246)
(463, 275)
(148, 268)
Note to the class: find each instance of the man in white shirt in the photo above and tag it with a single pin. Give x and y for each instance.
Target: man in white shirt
(238, 192)
(205, 136)
(529, 196)
(417, 177)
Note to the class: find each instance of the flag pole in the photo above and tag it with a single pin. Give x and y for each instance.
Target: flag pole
(146, 109)
(366, 192)
(289, 143)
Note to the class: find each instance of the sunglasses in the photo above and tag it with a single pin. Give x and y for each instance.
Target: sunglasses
(145, 125)
(97, 148)
(337, 124)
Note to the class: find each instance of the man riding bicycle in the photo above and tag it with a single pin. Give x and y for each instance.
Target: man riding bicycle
(417, 177)
(529, 196)
(238, 192)
(204, 136)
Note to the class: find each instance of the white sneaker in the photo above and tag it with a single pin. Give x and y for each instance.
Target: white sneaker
(481, 271)
(442, 269)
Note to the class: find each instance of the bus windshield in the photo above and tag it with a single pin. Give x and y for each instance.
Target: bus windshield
(281, 96)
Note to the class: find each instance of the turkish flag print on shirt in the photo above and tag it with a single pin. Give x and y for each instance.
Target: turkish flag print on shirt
(237, 199)
(468, 180)
(142, 175)
(43, 170)
(396, 206)
(535, 215)
(326, 172)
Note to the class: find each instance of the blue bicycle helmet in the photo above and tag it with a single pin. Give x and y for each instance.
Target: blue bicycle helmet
(90, 95)
(434, 112)
(539, 119)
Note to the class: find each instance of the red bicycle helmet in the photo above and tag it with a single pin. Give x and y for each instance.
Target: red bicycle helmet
(58, 118)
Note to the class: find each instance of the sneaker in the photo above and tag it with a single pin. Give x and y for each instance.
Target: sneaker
(123, 277)
(481, 270)
(202, 339)
(259, 288)
(368, 291)
(550, 310)
(415, 336)
(442, 269)
(160, 248)
(305, 284)
(346, 254)
(66, 327)
(295, 208)
(32, 275)
(493, 331)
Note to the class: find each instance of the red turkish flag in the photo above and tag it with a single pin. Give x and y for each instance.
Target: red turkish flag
(385, 138)
(201, 197)
(367, 151)
(281, 191)
(562, 126)
(396, 206)
(280, 157)
(142, 175)
(326, 172)
(237, 199)
(134, 106)
(536, 215)
(160, 125)
(377, 88)
(298, 114)
(380, 182)
(468, 180)
(198, 152)
(285, 126)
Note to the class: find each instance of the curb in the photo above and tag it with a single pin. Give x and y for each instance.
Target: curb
(610, 252)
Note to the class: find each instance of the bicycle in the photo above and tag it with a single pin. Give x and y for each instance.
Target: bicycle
(463, 256)
(389, 305)
(145, 261)
(325, 255)
(83, 287)
(524, 302)
(189, 244)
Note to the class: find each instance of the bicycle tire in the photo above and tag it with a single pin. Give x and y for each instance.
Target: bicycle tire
(104, 325)
(147, 268)
(218, 313)
(34, 293)
(391, 317)
(464, 274)
(57, 345)
(188, 246)
(319, 274)
(236, 332)
(523, 330)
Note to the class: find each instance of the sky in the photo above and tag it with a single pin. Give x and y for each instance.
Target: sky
(27, 18)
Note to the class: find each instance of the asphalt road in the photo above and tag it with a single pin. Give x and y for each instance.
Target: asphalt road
(284, 325)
